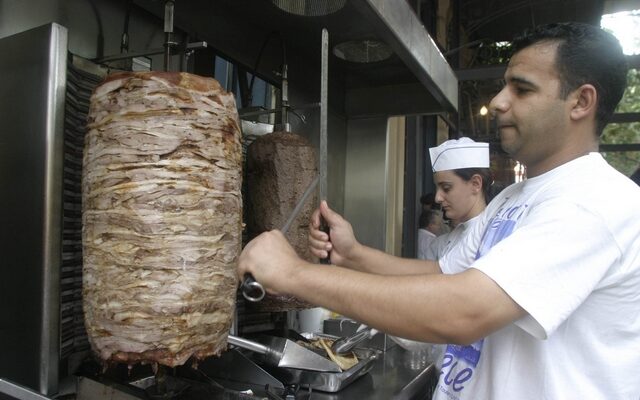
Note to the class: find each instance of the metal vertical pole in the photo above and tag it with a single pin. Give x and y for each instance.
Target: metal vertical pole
(324, 79)
(168, 32)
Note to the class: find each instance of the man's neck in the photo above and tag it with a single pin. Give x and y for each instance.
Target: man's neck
(571, 150)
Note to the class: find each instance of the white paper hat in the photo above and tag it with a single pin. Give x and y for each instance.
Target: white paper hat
(459, 153)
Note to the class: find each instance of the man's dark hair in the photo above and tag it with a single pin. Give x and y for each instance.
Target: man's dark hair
(586, 54)
(636, 176)
(428, 199)
(428, 217)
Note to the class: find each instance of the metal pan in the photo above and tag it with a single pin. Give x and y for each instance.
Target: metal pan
(281, 352)
(328, 381)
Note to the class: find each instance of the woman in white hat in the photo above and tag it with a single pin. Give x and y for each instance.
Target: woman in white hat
(463, 180)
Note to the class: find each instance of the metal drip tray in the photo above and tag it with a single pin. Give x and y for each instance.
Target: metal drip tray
(327, 381)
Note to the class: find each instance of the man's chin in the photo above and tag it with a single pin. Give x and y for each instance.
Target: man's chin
(507, 143)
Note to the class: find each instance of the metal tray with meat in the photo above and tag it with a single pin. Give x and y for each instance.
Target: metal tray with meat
(327, 381)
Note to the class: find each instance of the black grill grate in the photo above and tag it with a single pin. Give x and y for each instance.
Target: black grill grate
(73, 336)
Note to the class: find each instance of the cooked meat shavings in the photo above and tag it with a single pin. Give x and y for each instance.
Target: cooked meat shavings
(161, 217)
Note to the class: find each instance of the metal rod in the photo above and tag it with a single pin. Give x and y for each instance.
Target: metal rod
(324, 79)
(168, 32)
(247, 344)
(275, 110)
(284, 116)
(150, 52)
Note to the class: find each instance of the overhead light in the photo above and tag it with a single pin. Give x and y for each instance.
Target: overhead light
(362, 51)
(310, 8)
(484, 111)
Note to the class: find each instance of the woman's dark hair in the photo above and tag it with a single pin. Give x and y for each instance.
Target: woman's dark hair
(586, 55)
(487, 179)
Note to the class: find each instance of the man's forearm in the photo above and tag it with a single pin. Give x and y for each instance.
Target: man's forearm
(367, 259)
(435, 308)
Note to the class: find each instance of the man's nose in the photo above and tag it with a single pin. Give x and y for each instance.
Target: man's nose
(499, 103)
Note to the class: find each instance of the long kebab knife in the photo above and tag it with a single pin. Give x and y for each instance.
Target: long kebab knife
(324, 89)
(252, 290)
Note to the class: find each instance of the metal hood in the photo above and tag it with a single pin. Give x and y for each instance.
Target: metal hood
(416, 76)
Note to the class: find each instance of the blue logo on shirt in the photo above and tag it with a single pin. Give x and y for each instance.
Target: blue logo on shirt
(459, 362)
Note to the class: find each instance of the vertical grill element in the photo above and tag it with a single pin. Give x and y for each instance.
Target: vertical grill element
(73, 336)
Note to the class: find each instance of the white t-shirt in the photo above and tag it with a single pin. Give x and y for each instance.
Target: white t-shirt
(425, 238)
(566, 247)
(443, 243)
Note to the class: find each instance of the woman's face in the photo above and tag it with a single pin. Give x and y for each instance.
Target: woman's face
(457, 197)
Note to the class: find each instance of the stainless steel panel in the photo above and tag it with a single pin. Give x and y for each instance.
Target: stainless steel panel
(365, 174)
(396, 22)
(402, 99)
(32, 81)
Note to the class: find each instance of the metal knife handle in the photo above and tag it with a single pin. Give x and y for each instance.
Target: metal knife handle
(252, 290)
(247, 344)
(325, 228)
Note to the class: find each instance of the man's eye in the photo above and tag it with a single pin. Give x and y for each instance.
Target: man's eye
(522, 90)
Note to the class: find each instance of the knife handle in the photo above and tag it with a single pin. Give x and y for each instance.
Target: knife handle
(252, 290)
(325, 228)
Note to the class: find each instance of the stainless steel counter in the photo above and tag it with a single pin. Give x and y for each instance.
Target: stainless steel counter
(396, 374)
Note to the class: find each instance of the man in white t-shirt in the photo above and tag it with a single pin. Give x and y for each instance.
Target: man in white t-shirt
(542, 299)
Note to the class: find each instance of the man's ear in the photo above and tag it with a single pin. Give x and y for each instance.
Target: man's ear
(585, 102)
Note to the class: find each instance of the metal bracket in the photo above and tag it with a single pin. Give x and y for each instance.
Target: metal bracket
(20, 392)
(151, 52)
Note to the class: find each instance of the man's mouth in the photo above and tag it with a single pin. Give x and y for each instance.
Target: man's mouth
(504, 125)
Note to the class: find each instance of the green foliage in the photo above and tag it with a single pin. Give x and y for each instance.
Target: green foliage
(625, 161)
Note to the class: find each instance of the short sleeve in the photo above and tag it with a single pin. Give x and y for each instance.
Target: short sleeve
(551, 263)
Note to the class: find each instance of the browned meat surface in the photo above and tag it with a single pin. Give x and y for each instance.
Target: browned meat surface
(280, 167)
(161, 217)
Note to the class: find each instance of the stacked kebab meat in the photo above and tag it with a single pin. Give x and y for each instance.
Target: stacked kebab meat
(162, 211)
(280, 168)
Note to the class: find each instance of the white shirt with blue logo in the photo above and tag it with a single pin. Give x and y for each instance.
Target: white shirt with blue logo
(565, 246)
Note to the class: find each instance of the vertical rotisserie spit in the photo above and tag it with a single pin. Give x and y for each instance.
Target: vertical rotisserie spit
(161, 217)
